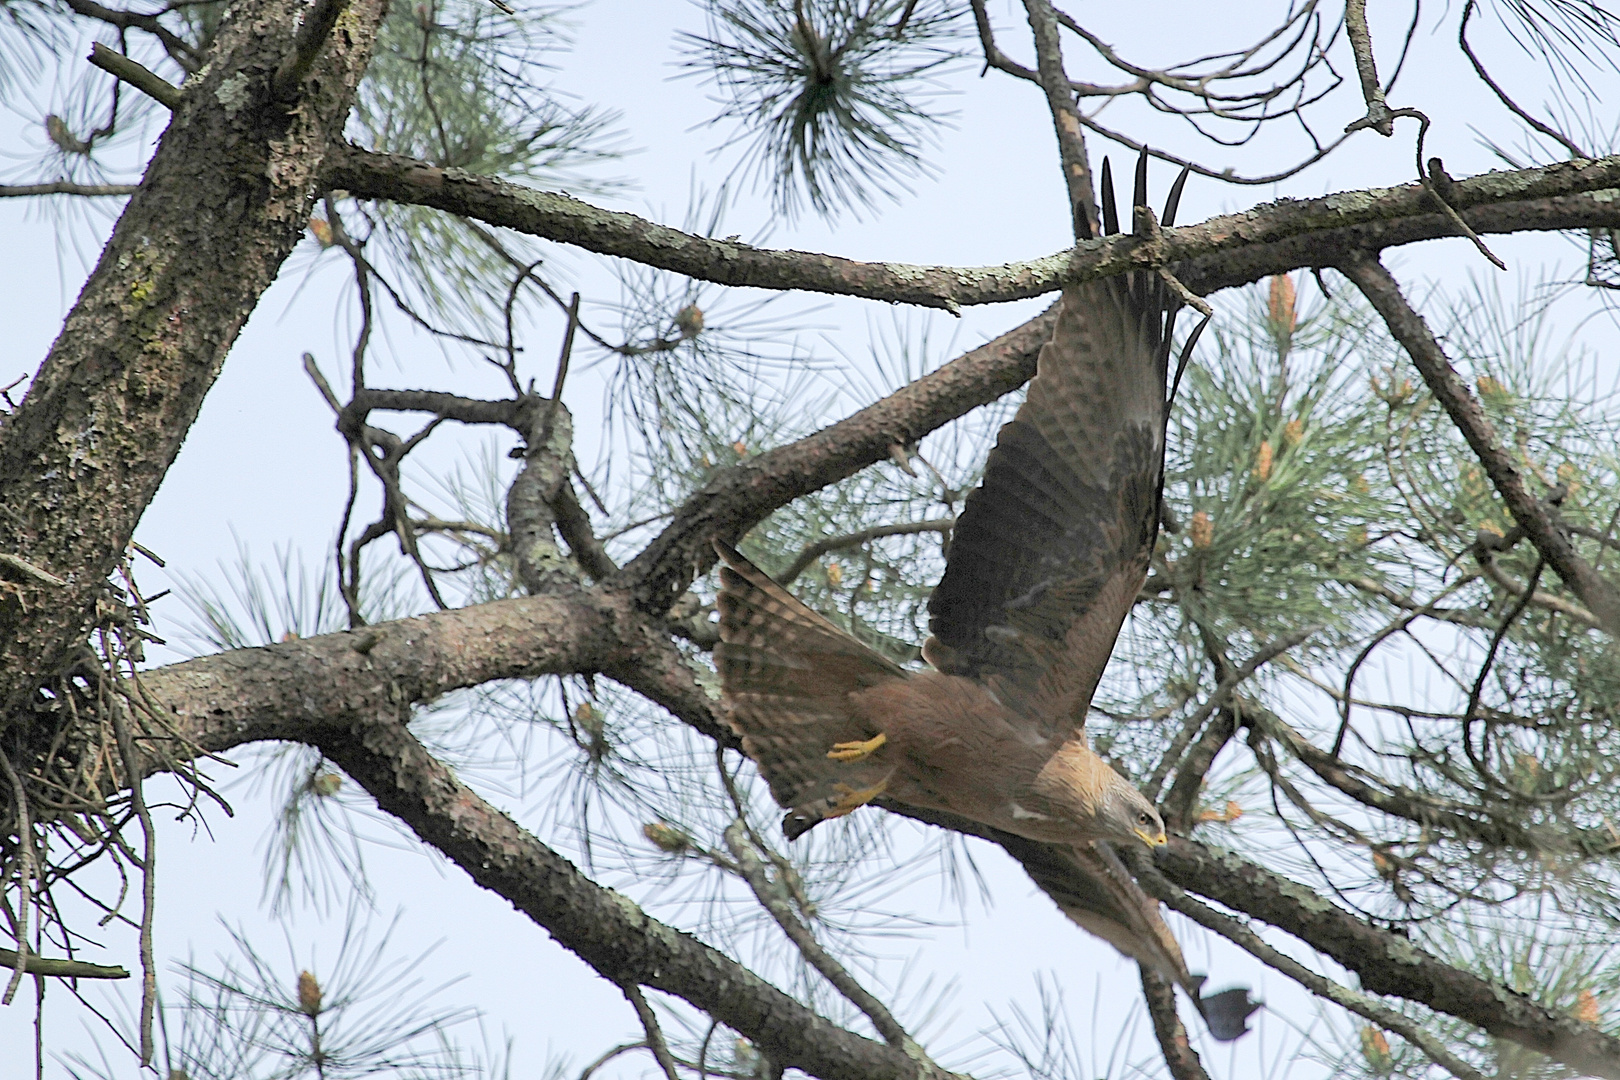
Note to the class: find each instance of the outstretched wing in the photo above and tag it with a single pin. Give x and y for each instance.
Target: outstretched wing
(788, 674)
(1049, 553)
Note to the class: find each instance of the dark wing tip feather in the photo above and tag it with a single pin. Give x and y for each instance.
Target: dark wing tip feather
(1110, 212)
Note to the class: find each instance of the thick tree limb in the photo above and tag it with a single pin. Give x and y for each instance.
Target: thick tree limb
(223, 201)
(327, 691)
(280, 691)
(1385, 962)
(603, 928)
(1244, 265)
(1599, 595)
(313, 31)
(1390, 211)
(61, 969)
(349, 693)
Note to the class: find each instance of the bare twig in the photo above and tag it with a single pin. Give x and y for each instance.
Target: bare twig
(23, 566)
(1492, 571)
(1395, 626)
(178, 48)
(1471, 711)
(655, 1035)
(1379, 117)
(60, 969)
(1065, 118)
(148, 868)
(143, 79)
(25, 878)
(65, 187)
(774, 899)
(816, 550)
(1574, 148)
(1223, 691)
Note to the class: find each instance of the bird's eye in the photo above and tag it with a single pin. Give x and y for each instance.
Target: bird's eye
(1143, 819)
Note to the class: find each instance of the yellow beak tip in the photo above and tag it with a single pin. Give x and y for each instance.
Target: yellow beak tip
(1152, 840)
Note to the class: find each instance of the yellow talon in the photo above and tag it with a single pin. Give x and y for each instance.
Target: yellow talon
(849, 799)
(855, 751)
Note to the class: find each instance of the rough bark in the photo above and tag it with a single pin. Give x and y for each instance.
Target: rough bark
(223, 201)
(1386, 962)
(607, 930)
(283, 691)
(1311, 232)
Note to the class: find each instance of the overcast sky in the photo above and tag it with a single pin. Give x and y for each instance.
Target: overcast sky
(263, 466)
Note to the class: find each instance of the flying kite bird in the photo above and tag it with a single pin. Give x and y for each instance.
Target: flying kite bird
(1044, 563)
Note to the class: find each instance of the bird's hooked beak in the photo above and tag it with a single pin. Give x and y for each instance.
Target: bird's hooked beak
(1152, 840)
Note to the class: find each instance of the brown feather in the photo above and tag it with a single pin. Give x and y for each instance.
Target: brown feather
(788, 674)
(1049, 552)
(1045, 562)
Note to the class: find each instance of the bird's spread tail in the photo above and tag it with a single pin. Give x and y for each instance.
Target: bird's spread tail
(788, 674)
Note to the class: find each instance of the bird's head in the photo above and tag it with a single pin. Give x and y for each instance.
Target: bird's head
(1087, 792)
(1127, 814)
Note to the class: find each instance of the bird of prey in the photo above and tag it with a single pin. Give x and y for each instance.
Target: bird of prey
(1043, 565)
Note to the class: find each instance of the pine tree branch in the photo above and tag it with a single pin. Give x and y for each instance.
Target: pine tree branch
(61, 969)
(1060, 102)
(306, 690)
(177, 47)
(774, 899)
(1179, 1056)
(313, 31)
(1598, 594)
(740, 497)
(609, 932)
(1386, 962)
(65, 187)
(147, 82)
(1362, 1005)
(1224, 251)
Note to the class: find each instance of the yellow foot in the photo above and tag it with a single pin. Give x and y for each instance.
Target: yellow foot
(855, 751)
(850, 799)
